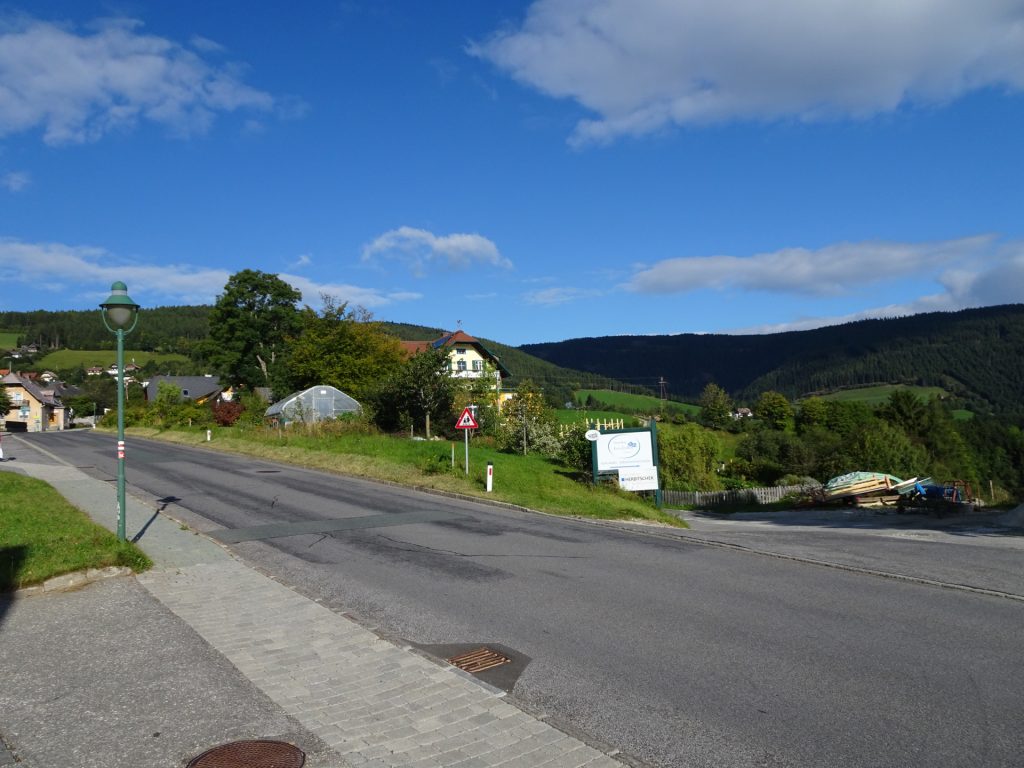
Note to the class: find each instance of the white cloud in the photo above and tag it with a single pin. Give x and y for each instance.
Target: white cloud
(304, 260)
(999, 279)
(829, 271)
(15, 181)
(353, 294)
(418, 249)
(90, 271)
(79, 86)
(642, 65)
(553, 297)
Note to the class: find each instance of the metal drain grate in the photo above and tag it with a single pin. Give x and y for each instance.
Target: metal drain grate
(479, 659)
(256, 753)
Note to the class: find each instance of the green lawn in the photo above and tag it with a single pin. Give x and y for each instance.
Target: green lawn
(42, 535)
(879, 394)
(8, 340)
(628, 403)
(64, 359)
(530, 481)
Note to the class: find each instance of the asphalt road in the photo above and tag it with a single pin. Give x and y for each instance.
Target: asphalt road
(681, 654)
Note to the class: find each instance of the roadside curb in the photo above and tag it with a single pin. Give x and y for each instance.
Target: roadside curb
(69, 582)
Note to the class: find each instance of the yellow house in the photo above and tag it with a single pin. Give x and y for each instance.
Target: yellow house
(467, 357)
(33, 408)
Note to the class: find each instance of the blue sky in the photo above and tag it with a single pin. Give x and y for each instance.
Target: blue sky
(533, 171)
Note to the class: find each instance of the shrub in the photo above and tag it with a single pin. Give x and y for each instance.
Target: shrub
(226, 413)
(575, 450)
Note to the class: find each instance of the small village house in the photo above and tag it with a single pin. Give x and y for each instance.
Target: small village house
(468, 358)
(34, 408)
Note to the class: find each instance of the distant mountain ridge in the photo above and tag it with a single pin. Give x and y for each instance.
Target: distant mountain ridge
(978, 354)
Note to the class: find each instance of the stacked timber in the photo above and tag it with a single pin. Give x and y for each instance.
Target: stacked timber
(874, 488)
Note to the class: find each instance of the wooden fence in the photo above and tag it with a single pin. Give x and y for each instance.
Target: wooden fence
(751, 496)
(594, 424)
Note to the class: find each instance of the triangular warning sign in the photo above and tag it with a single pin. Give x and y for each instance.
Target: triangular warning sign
(466, 420)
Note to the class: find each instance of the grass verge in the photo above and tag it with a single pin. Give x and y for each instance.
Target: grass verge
(529, 481)
(42, 536)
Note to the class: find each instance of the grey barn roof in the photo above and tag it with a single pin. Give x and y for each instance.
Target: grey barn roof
(192, 387)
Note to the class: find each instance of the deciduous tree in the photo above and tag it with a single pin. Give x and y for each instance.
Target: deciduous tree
(340, 347)
(249, 326)
(773, 409)
(716, 407)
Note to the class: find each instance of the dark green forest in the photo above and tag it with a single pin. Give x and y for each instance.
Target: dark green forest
(160, 329)
(975, 354)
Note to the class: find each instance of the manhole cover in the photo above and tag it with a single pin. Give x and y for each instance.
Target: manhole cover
(255, 753)
(479, 660)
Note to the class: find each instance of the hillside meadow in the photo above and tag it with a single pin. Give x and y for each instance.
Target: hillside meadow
(629, 403)
(65, 359)
(875, 396)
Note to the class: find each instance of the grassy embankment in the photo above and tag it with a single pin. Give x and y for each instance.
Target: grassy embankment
(628, 403)
(8, 340)
(42, 535)
(64, 359)
(530, 481)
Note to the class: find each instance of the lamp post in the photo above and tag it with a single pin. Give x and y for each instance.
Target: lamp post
(119, 312)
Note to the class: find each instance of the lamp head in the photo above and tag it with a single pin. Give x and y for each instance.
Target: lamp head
(119, 308)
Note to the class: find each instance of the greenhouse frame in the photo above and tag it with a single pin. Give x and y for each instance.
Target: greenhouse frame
(317, 403)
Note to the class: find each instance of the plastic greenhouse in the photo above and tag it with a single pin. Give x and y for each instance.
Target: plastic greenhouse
(314, 404)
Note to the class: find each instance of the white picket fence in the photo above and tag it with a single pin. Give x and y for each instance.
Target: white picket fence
(594, 424)
(741, 496)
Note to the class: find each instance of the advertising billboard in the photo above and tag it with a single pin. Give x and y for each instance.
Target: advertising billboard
(624, 450)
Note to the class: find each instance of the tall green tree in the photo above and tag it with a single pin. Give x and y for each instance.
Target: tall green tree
(249, 327)
(813, 413)
(716, 407)
(420, 391)
(904, 409)
(774, 409)
(5, 402)
(340, 347)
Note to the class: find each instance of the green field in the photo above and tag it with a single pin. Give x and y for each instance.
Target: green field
(72, 358)
(8, 340)
(879, 394)
(627, 403)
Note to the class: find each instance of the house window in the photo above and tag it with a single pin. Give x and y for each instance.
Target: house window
(16, 397)
(461, 365)
(461, 351)
(184, 393)
(478, 365)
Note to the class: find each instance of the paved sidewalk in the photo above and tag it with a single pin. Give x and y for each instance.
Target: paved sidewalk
(356, 699)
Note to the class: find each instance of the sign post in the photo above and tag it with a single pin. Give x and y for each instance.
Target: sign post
(466, 422)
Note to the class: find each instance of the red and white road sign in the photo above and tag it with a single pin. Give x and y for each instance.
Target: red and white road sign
(466, 420)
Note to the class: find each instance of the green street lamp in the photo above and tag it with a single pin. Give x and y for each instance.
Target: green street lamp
(119, 312)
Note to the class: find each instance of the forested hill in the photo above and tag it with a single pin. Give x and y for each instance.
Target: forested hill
(978, 354)
(168, 329)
